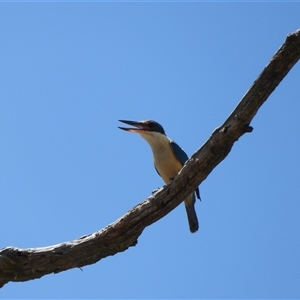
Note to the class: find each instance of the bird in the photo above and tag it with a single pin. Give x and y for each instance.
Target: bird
(169, 159)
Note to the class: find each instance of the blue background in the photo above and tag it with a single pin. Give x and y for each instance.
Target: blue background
(69, 71)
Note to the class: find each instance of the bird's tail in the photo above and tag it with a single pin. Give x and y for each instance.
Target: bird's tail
(191, 213)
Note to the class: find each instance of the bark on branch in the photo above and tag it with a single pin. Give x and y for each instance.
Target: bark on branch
(26, 264)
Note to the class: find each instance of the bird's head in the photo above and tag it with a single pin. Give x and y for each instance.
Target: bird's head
(147, 127)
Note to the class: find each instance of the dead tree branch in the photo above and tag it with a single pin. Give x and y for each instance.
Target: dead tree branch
(26, 264)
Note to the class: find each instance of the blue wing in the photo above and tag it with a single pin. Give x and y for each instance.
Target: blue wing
(179, 153)
(182, 157)
(156, 170)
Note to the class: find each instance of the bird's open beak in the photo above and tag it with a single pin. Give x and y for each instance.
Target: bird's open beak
(140, 126)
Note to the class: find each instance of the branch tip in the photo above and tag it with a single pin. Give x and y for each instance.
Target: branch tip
(248, 128)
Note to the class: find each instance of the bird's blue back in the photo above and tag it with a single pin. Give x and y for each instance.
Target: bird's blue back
(179, 153)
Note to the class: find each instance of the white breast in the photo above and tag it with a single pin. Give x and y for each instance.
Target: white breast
(165, 161)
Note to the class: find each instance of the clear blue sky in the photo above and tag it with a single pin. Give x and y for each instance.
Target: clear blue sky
(69, 71)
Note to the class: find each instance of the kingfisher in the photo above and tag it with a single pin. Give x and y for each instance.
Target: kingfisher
(169, 159)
